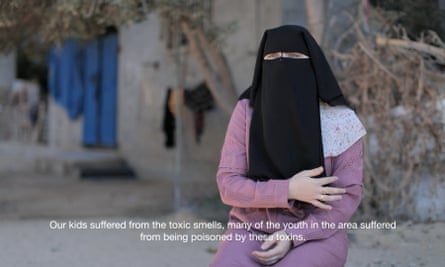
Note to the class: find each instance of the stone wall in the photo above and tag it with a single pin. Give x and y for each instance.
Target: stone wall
(7, 70)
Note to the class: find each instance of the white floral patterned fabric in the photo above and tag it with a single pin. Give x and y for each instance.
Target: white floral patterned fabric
(340, 129)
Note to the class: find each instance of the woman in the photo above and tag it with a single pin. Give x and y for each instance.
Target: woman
(291, 160)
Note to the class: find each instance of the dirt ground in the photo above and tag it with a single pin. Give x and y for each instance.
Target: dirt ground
(31, 205)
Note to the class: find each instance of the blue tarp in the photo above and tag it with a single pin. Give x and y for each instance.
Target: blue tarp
(65, 82)
(82, 79)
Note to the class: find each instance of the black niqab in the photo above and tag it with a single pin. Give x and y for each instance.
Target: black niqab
(285, 131)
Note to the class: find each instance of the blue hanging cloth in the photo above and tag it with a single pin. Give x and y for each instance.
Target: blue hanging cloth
(65, 77)
(82, 79)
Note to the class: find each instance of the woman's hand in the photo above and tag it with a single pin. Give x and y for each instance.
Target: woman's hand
(273, 249)
(304, 188)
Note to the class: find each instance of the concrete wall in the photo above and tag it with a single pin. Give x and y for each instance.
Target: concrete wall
(142, 91)
(63, 133)
(294, 12)
(251, 18)
(7, 70)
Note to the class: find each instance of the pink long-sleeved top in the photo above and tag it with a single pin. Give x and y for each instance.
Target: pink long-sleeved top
(254, 201)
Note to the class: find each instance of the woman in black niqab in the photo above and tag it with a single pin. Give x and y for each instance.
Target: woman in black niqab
(292, 120)
(285, 133)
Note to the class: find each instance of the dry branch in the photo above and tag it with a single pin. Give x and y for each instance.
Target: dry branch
(396, 90)
(222, 68)
(377, 61)
(421, 47)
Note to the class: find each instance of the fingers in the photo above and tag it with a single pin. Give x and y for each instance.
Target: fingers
(267, 254)
(304, 188)
(268, 243)
(326, 180)
(324, 197)
(321, 205)
(313, 172)
(327, 198)
(273, 255)
(265, 260)
(327, 190)
(274, 249)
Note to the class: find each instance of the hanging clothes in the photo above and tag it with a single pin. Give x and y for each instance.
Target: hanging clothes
(65, 81)
(82, 78)
(168, 123)
(199, 100)
(174, 95)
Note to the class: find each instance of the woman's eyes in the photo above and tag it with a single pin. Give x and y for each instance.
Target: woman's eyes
(294, 55)
(272, 56)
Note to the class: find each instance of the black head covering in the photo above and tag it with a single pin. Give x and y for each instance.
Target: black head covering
(285, 131)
